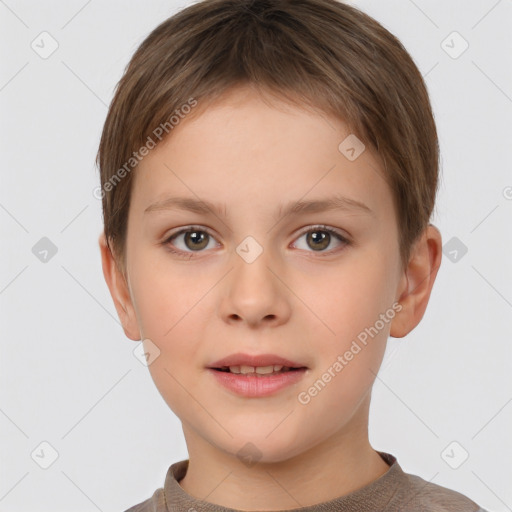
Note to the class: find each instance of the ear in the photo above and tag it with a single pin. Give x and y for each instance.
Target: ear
(119, 291)
(417, 281)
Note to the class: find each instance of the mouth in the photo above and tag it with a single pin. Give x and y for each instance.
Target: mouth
(258, 371)
(260, 364)
(256, 376)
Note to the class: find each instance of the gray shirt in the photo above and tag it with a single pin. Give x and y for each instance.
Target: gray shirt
(395, 491)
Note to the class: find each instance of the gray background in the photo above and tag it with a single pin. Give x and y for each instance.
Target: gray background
(68, 374)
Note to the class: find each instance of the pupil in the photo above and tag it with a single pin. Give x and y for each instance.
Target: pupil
(196, 236)
(324, 239)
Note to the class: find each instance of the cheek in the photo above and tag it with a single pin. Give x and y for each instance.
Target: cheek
(343, 377)
(350, 304)
(347, 298)
(168, 312)
(166, 307)
(163, 294)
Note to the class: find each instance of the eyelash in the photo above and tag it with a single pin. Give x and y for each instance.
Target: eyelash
(189, 255)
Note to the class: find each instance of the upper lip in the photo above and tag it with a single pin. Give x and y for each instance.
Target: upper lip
(240, 359)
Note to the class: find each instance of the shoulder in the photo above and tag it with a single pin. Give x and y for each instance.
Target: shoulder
(154, 504)
(419, 495)
(164, 495)
(411, 493)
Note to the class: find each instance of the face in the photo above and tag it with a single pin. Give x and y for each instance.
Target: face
(248, 275)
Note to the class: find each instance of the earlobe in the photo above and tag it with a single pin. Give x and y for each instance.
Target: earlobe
(417, 281)
(119, 291)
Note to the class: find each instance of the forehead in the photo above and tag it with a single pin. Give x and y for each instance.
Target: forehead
(256, 150)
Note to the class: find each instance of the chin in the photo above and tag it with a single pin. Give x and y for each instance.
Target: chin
(258, 448)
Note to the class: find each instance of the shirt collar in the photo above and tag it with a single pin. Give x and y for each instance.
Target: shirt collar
(370, 498)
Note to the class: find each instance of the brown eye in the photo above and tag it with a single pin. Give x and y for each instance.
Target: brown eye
(318, 240)
(188, 241)
(196, 240)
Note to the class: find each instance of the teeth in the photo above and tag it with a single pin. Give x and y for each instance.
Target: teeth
(260, 370)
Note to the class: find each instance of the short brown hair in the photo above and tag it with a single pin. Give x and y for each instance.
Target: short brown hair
(321, 53)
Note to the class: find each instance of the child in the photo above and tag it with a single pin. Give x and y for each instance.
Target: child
(293, 143)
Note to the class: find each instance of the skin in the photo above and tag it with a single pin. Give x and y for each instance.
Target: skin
(296, 300)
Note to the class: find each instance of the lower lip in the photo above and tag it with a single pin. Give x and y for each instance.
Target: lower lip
(249, 385)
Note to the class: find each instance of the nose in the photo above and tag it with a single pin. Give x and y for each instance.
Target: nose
(254, 293)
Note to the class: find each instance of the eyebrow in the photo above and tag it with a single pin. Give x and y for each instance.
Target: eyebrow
(295, 207)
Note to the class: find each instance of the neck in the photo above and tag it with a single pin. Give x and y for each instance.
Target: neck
(332, 468)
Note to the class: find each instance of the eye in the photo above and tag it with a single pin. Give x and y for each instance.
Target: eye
(186, 242)
(320, 237)
(190, 240)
